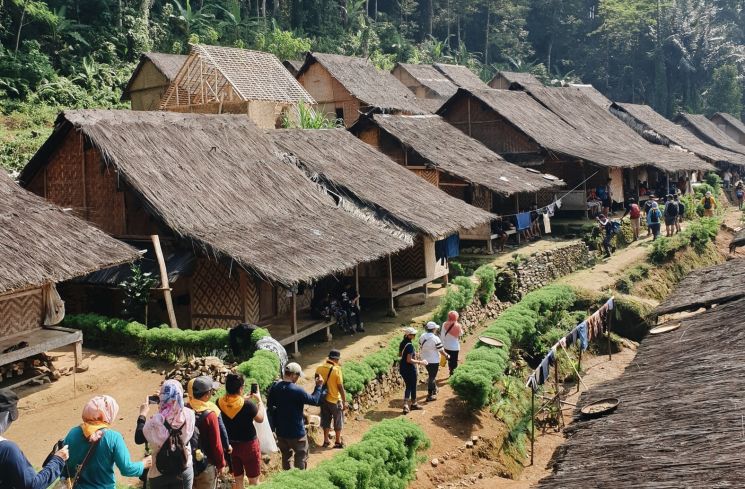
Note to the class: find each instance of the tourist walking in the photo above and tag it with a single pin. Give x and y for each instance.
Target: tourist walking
(739, 193)
(239, 414)
(606, 227)
(408, 368)
(681, 213)
(201, 390)
(671, 215)
(333, 403)
(431, 350)
(654, 216)
(450, 335)
(709, 204)
(199, 406)
(727, 178)
(171, 428)
(634, 213)
(285, 404)
(16, 472)
(95, 448)
(647, 207)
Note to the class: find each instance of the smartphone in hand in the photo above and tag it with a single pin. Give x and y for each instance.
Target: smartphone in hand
(155, 399)
(254, 388)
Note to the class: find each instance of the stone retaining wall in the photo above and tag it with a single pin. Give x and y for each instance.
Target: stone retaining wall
(545, 267)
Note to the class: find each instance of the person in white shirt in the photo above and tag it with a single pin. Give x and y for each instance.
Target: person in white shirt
(450, 336)
(430, 349)
(727, 177)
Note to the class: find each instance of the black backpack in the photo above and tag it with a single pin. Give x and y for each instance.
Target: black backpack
(671, 209)
(171, 458)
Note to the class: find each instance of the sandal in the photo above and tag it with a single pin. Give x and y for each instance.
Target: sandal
(415, 407)
(339, 445)
(326, 444)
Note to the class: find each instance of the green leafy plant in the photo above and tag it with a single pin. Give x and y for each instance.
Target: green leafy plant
(459, 296)
(306, 117)
(487, 276)
(137, 293)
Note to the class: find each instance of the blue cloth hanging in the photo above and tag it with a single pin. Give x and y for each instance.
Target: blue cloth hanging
(523, 221)
(447, 248)
(582, 332)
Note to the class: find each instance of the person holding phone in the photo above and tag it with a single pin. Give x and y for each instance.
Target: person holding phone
(16, 472)
(239, 414)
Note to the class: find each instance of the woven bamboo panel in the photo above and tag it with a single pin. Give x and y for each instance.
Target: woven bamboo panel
(215, 295)
(432, 176)
(251, 301)
(409, 263)
(481, 198)
(457, 191)
(21, 313)
(104, 203)
(65, 172)
(284, 301)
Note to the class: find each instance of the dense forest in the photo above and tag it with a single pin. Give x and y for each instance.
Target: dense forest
(671, 54)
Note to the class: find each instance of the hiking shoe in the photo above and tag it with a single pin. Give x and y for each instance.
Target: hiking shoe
(416, 407)
(406, 409)
(339, 445)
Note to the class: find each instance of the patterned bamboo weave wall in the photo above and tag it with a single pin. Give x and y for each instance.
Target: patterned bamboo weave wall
(481, 198)
(432, 176)
(251, 300)
(409, 263)
(215, 296)
(21, 313)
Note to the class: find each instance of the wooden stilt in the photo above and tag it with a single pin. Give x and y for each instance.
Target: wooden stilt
(610, 319)
(293, 322)
(579, 360)
(532, 424)
(392, 311)
(558, 392)
(164, 281)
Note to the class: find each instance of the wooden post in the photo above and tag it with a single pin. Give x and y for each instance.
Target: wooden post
(164, 280)
(579, 360)
(532, 423)
(469, 116)
(558, 394)
(517, 211)
(584, 185)
(610, 318)
(82, 176)
(357, 278)
(293, 321)
(392, 311)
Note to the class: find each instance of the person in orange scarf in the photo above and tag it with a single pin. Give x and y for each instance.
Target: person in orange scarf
(239, 414)
(200, 391)
(94, 442)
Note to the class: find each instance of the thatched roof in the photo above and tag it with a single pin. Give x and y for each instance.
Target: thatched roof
(680, 421)
(657, 129)
(702, 127)
(451, 151)
(732, 121)
(431, 78)
(461, 75)
(592, 93)
(371, 86)
(705, 287)
(608, 132)
(217, 181)
(293, 65)
(254, 75)
(524, 79)
(41, 243)
(356, 170)
(168, 64)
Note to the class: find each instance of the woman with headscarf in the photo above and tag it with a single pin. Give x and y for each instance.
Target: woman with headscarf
(450, 335)
(95, 448)
(654, 217)
(16, 472)
(407, 368)
(171, 410)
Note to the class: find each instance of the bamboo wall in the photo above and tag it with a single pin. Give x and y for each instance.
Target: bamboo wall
(329, 94)
(148, 88)
(21, 312)
(419, 90)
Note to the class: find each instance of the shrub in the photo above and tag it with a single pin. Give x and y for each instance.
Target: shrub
(714, 181)
(456, 299)
(262, 368)
(385, 458)
(358, 374)
(487, 276)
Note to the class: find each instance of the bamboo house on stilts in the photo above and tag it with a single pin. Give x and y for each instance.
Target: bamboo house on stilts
(43, 245)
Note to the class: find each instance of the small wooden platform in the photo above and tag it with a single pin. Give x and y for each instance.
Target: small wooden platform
(39, 341)
(489, 238)
(281, 328)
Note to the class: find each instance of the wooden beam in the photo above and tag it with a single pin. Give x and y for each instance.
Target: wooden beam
(243, 281)
(293, 321)
(392, 310)
(164, 281)
(82, 176)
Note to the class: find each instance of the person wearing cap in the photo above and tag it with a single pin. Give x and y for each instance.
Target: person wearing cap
(654, 216)
(332, 406)
(681, 212)
(607, 227)
(239, 414)
(647, 207)
(431, 349)
(202, 389)
(672, 211)
(16, 472)
(407, 368)
(285, 404)
(634, 213)
(709, 204)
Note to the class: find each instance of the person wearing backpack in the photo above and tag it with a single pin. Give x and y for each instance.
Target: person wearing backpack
(634, 213)
(239, 414)
(654, 216)
(431, 350)
(332, 404)
(210, 438)
(169, 434)
(709, 204)
(606, 227)
(681, 213)
(95, 448)
(671, 215)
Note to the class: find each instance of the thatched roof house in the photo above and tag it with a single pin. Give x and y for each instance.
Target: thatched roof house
(42, 245)
(430, 86)
(702, 127)
(706, 287)
(592, 93)
(215, 185)
(218, 80)
(355, 171)
(657, 129)
(151, 78)
(677, 424)
(293, 65)
(462, 76)
(345, 86)
(503, 80)
(731, 125)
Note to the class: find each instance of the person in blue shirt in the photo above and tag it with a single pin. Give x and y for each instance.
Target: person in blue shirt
(285, 404)
(16, 472)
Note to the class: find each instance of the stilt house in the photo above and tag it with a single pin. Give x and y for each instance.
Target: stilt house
(345, 87)
(222, 80)
(41, 246)
(708, 131)
(151, 78)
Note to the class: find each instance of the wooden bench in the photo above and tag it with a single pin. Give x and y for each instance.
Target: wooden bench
(489, 238)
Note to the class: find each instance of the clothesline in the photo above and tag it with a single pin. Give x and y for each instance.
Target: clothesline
(584, 332)
(556, 202)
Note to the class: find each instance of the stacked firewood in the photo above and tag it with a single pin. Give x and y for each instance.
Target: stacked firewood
(210, 366)
(31, 367)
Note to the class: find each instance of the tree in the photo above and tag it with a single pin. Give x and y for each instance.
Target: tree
(725, 92)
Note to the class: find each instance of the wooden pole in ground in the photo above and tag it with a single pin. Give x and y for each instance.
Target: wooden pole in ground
(293, 321)
(164, 281)
(610, 318)
(532, 424)
(556, 383)
(392, 311)
(579, 359)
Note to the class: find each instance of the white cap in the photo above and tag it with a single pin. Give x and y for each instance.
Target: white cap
(293, 368)
(409, 330)
(431, 326)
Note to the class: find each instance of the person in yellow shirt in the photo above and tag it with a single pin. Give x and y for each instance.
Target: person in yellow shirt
(335, 399)
(709, 205)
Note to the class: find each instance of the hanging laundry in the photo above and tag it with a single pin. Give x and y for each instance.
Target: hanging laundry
(582, 333)
(532, 383)
(546, 224)
(558, 203)
(563, 342)
(610, 304)
(570, 338)
(551, 209)
(523, 221)
(447, 248)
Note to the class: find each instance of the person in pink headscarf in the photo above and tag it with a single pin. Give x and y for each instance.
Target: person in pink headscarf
(171, 410)
(95, 448)
(450, 334)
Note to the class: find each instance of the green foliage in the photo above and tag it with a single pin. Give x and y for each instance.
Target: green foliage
(725, 93)
(698, 234)
(358, 374)
(262, 368)
(133, 338)
(714, 181)
(520, 324)
(306, 117)
(459, 296)
(137, 293)
(385, 458)
(283, 44)
(487, 276)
